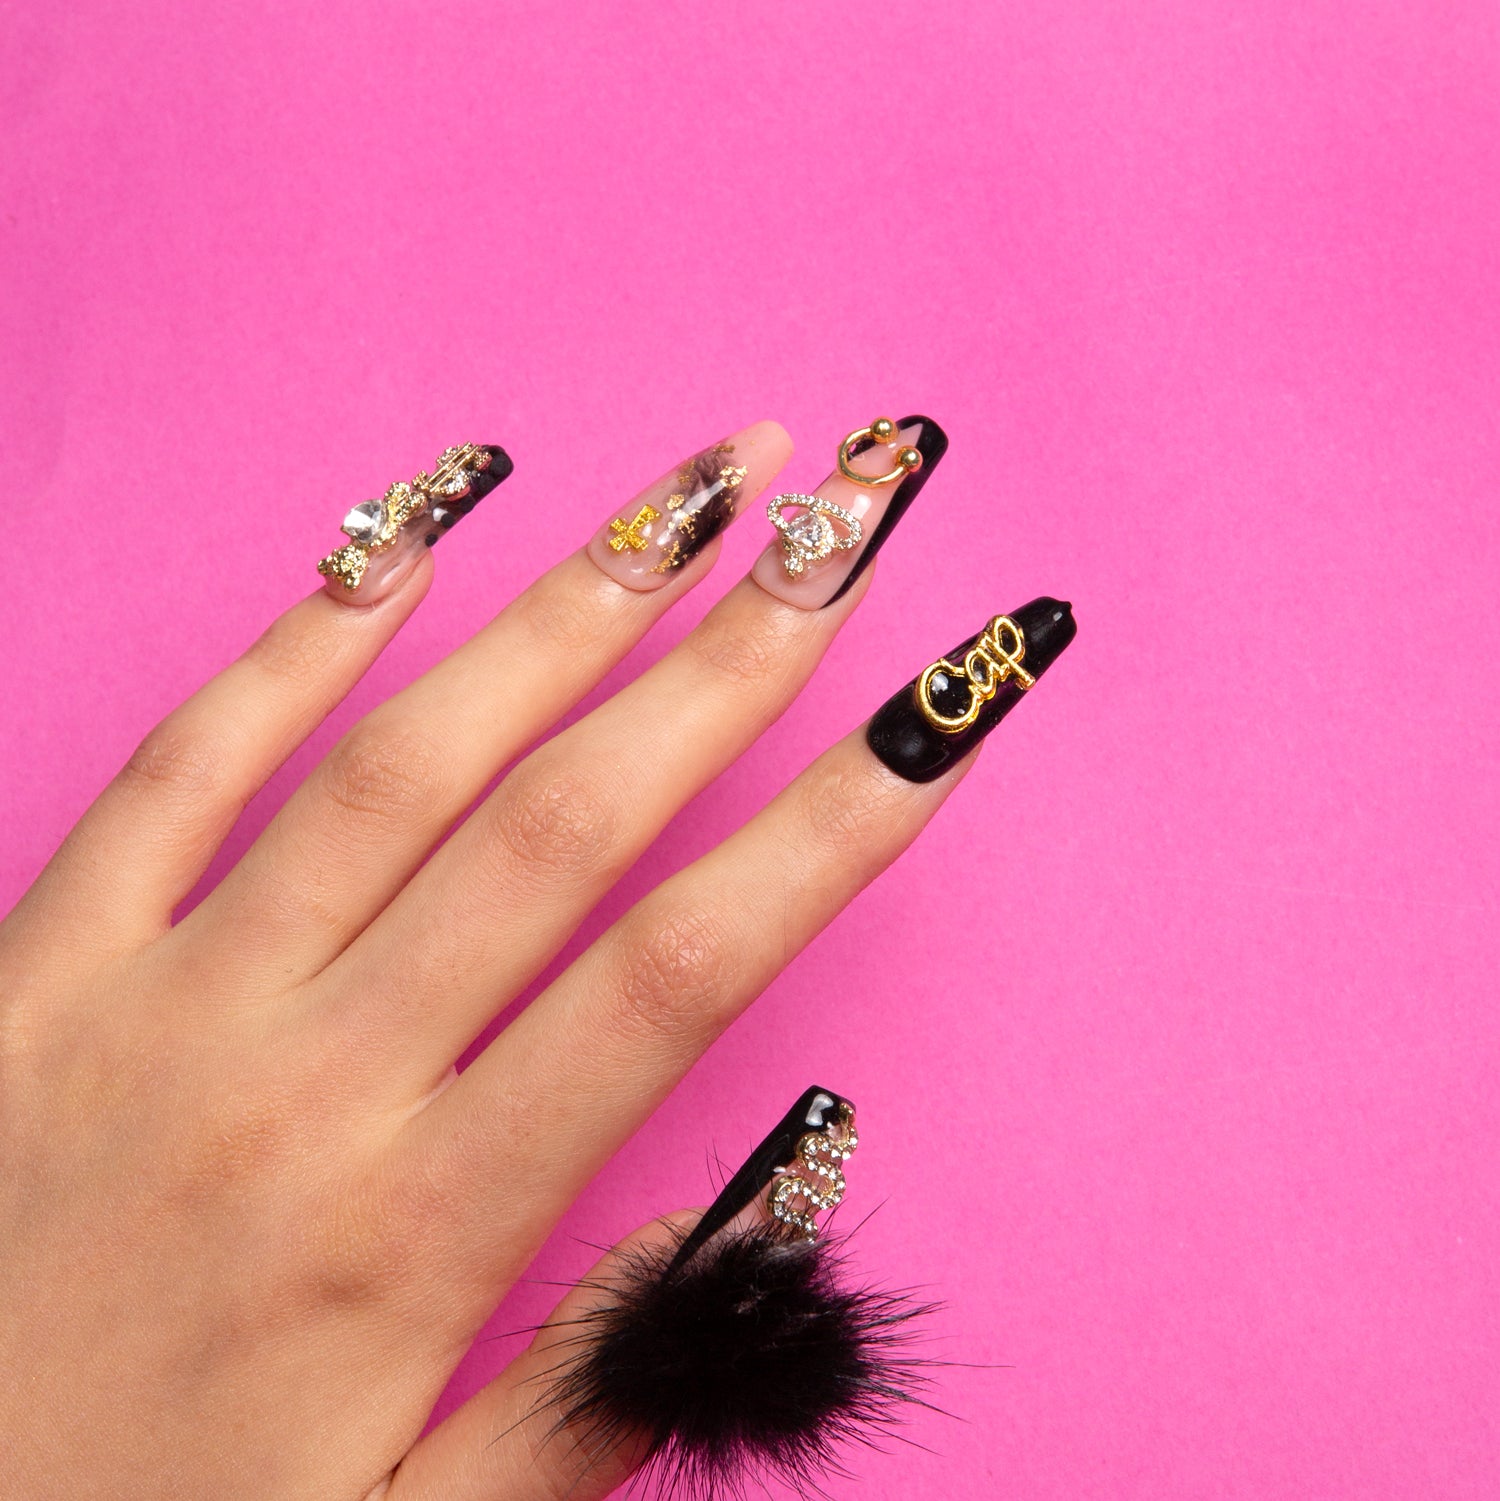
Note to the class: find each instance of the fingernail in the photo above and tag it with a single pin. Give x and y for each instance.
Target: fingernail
(387, 536)
(939, 717)
(646, 543)
(827, 539)
(820, 1114)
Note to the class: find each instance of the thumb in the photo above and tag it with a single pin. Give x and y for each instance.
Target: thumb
(504, 1444)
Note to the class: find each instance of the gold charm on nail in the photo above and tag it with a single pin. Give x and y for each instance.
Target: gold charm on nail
(995, 657)
(631, 534)
(812, 537)
(881, 430)
(373, 525)
(815, 1180)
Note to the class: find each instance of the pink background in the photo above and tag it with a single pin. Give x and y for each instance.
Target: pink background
(1198, 970)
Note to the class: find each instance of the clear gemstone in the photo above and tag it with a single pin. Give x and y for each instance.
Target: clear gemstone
(809, 531)
(365, 522)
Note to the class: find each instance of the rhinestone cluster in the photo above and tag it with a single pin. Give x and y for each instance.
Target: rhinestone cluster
(812, 537)
(814, 1181)
(374, 525)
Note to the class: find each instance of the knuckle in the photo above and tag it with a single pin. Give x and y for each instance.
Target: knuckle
(287, 650)
(561, 1463)
(356, 1255)
(174, 758)
(382, 775)
(385, 1232)
(237, 1143)
(847, 811)
(754, 652)
(554, 820)
(676, 975)
(563, 621)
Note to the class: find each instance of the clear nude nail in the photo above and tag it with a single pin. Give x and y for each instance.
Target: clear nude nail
(647, 542)
(828, 538)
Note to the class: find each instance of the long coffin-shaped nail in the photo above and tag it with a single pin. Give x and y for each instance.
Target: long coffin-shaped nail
(387, 536)
(828, 538)
(937, 719)
(823, 1120)
(649, 541)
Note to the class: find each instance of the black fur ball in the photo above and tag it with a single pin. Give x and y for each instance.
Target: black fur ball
(759, 1357)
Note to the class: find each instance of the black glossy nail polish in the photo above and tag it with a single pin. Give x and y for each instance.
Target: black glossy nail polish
(820, 1111)
(932, 443)
(447, 512)
(936, 720)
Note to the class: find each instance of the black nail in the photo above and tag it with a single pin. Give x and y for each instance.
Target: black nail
(818, 1110)
(446, 514)
(907, 732)
(932, 443)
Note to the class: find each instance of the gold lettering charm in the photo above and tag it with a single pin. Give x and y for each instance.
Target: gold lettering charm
(814, 1181)
(992, 659)
(628, 533)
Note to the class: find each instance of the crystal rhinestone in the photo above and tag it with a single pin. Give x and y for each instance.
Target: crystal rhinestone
(810, 531)
(365, 522)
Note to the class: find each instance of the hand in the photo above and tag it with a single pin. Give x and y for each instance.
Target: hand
(250, 1218)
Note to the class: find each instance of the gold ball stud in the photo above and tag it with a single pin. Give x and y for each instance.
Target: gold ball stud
(910, 460)
(882, 429)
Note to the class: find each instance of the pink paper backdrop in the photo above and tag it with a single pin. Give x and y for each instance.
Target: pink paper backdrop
(1200, 967)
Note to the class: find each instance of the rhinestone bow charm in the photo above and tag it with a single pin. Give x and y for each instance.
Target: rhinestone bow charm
(813, 536)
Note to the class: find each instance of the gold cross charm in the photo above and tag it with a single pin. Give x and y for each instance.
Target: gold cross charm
(630, 535)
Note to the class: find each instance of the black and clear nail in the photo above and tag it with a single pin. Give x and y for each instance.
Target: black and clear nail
(388, 535)
(826, 539)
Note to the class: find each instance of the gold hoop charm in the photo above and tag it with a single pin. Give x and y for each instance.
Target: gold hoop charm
(881, 430)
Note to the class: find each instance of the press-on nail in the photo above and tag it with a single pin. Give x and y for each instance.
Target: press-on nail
(388, 535)
(939, 717)
(828, 538)
(647, 542)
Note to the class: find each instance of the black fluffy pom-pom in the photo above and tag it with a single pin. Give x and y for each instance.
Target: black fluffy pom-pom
(758, 1358)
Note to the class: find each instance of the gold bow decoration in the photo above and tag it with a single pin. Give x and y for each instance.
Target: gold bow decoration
(373, 525)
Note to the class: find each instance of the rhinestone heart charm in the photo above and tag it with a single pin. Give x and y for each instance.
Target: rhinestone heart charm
(812, 536)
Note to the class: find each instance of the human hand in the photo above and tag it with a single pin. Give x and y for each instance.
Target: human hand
(250, 1219)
